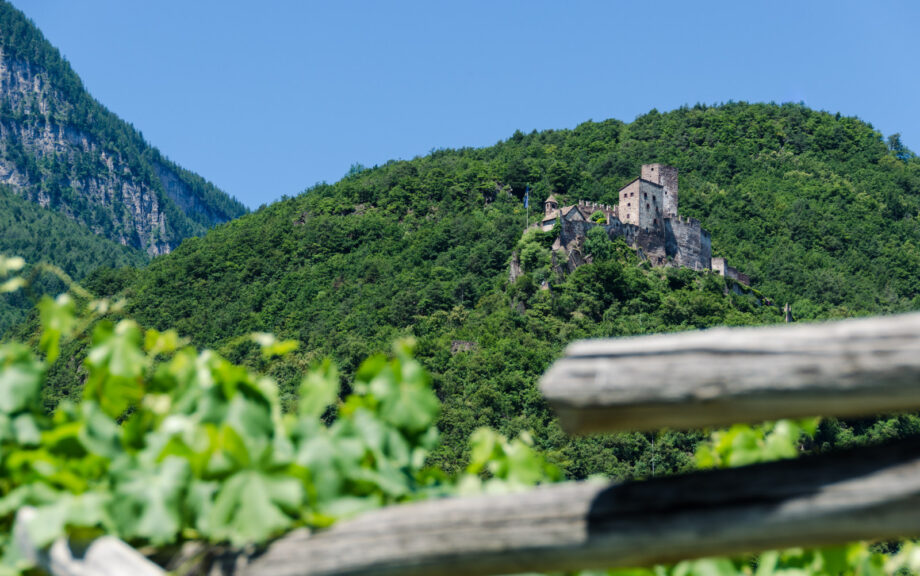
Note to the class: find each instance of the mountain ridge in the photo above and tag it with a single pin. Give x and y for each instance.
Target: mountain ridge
(61, 148)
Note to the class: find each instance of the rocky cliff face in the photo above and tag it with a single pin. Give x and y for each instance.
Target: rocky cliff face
(63, 150)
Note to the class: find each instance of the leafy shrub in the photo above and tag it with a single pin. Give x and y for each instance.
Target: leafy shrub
(598, 244)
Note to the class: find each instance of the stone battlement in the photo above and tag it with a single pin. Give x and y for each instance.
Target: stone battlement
(687, 221)
(595, 206)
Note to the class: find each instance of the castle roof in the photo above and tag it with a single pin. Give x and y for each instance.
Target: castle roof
(555, 213)
(552, 198)
(574, 210)
(643, 180)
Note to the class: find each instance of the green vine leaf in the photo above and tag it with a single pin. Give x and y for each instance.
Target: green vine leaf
(20, 379)
(149, 497)
(252, 506)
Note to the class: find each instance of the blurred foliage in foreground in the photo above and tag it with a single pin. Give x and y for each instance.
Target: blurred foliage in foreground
(171, 444)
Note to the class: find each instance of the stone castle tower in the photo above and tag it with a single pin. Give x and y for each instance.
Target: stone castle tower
(642, 204)
(666, 177)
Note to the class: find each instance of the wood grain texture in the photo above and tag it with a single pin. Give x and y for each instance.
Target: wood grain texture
(728, 375)
(105, 556)
(863, 494)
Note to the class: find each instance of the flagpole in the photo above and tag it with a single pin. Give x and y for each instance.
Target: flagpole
(527, 205)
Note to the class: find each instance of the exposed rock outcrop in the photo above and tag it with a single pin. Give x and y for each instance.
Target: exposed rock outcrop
(63, 150)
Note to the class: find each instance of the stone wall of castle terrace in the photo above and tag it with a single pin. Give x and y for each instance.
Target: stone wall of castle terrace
(687, 243)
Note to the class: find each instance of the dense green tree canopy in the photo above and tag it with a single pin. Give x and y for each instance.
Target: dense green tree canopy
(39, 236)
(816, 208)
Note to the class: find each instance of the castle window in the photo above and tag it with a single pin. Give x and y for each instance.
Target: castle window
(647, 206)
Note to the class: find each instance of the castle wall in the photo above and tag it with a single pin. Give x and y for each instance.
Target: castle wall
(705, 249)
(653, 245)
(721, 266)
(624, 230)
(734, 274)
(573, 226)
(687, 244)
(573, 230)
(651, 242)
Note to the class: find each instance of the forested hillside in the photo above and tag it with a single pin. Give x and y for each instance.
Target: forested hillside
(39, 235)
(816, 208)
(62, 149)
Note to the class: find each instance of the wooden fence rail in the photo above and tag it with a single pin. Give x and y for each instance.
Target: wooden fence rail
(692, 379)
(105, 556)
(728, 375)
(868, 494)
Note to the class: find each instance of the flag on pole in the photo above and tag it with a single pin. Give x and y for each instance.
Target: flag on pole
(527, 197)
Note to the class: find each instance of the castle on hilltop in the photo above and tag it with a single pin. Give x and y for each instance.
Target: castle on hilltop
(646, 218)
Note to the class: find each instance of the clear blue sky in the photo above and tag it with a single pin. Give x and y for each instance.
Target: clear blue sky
(267, 98)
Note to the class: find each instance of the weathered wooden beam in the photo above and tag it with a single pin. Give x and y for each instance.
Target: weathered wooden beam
(726, 375)
(105, 556)
(869, 493)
